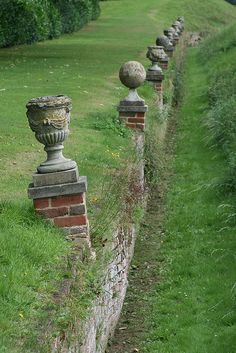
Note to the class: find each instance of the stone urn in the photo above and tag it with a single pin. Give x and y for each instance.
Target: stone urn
(132, 74)
(49, 119)
(155, 54)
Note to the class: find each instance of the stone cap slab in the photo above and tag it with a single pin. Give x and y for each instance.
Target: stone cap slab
(58, 190)
(154, 76)
(56, 178)
(132, 106)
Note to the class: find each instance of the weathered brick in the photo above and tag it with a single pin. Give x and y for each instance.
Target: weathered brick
(70, 221)
(136, 120)
(41, 203)
(140, 126)
(76, 230)
(77, 210)
(67, 200)
(131, 125)
(140, 115)
(53, 212)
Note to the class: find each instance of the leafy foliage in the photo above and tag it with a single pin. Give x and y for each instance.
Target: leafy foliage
(27, 21)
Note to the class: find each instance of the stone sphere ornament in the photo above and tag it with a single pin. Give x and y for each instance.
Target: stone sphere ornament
(165, 42)
(176, 28)
(181, 20)
(170, 34)
(132, 74)
(155, 54)
(49, 119)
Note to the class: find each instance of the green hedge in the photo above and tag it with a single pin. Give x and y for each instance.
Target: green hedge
(27, 21)
(233, 2)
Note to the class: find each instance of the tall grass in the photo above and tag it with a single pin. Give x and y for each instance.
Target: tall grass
(218, 57)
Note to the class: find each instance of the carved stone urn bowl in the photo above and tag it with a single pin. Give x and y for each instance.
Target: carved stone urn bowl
(155, 53)
(49, 119)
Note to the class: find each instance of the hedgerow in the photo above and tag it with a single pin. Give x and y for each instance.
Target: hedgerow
(27, 21)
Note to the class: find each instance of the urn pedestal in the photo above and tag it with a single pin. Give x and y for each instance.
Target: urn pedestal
(132, 109)
(154, 73)
(57, 190)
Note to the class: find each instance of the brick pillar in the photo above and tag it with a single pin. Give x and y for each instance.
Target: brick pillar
(132, 118)
(177, 40)
(156, 79)
(164, 63)
(169, 52)
(61, 199)
(132, 109)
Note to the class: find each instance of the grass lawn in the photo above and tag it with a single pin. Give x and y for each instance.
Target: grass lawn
(83, 66)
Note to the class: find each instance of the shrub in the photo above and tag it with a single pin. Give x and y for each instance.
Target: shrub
(233, 2)
(27, 21)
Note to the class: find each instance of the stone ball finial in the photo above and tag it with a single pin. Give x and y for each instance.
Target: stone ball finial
(176, 25)
(180, 19)
(132, 74)
(164, 41)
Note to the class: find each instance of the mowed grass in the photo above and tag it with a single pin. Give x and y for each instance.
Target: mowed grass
(193, 308)
(85, 67)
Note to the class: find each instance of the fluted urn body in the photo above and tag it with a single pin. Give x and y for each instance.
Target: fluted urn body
(49, 119)
(155, 54)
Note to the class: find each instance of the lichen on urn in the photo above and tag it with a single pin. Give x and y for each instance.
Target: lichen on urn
(155, 54)
(49, 119)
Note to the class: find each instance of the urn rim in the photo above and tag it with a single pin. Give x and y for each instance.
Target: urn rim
(49, 102)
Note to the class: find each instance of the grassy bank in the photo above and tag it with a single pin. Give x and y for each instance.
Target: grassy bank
(183, 280)
(84, 66)
(194, 305)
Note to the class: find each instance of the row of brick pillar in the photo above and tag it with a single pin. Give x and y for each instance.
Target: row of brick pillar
(132, 109)
(58, 191)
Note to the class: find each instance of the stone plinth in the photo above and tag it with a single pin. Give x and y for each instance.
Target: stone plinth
(58, 192)
(63, 204)
(132, 109)
(170, 52)
(133, 114)
(164, 63)
(156, 78)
